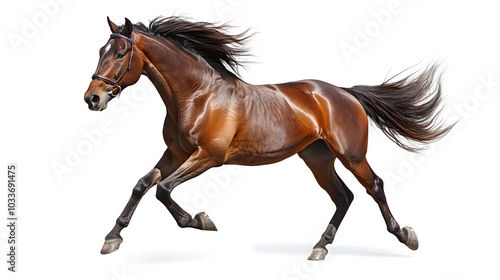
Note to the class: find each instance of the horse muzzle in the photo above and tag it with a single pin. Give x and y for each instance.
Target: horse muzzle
(98, 98)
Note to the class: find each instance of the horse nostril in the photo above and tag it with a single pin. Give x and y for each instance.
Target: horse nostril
(95, 99)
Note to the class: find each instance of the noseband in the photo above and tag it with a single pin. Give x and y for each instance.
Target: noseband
(111, 81)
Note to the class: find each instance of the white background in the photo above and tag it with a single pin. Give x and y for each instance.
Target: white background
(268, 217)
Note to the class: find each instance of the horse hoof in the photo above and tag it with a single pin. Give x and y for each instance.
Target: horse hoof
(318, 254)
(205, 222)
(110, 246)
(412, 241)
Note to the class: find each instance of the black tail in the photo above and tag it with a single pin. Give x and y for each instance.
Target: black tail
(406, 109)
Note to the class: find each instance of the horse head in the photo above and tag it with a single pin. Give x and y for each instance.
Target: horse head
(117, 68)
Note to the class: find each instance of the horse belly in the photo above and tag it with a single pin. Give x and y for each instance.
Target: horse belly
(252, 157)
(266, 148)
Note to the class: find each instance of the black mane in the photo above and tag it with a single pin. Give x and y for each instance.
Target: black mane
(210, 41)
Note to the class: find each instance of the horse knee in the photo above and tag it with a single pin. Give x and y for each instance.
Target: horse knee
(162, 192)
(140, 188)
(145, 183)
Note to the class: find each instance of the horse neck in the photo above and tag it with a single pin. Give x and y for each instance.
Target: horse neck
(176, 73)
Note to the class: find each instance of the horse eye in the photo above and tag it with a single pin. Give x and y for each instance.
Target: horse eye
(120, 55)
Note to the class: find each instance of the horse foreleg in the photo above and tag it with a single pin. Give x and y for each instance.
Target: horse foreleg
(195, 165)
(114, 239)
(169, 162)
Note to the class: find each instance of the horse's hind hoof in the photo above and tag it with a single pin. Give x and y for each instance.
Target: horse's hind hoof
(318, 254)
(110, 246)
(412, 241)
(204, 222)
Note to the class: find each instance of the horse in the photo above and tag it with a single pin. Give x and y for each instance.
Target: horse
(215, 118)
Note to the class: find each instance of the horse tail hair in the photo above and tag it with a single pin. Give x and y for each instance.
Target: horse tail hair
(406, 110)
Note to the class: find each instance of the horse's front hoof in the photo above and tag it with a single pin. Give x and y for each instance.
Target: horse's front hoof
(110, 246)
(318, 254)
(204, 222)
(412, 241)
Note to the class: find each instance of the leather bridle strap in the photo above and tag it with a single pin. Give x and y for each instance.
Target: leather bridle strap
(111, 81)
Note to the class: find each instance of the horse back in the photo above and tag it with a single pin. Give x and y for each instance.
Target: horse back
(277, 121)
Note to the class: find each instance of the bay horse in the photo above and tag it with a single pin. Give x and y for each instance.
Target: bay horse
(215, 118)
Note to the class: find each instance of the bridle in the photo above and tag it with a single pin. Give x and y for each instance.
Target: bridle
(111, 81)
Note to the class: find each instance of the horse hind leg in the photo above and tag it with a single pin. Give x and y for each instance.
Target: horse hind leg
(320, 160)
(342, 197)
(375, 188)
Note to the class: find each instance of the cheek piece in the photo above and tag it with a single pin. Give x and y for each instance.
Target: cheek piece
(114, 82)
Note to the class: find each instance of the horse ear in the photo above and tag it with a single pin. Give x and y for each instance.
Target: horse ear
(112, 26)
(127, 30)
